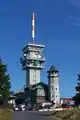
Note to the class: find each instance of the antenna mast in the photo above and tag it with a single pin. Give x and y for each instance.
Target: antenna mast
(33, 27)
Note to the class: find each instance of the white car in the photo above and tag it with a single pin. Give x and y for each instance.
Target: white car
(50, 109)
(23, 109)
(16, 109)
(45, 109)
(40, 110)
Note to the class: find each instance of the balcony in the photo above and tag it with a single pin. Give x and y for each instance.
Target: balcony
(32, 66)
(26, 66)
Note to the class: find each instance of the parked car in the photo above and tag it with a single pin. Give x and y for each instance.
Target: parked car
(16, 108)
(20, 107)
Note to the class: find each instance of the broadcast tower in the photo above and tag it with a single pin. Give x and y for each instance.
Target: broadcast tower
(32, 59)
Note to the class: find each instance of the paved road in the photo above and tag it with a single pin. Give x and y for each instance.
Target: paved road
(32, 116)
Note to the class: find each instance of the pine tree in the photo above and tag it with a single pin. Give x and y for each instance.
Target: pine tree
(4, 84)
(76, 98)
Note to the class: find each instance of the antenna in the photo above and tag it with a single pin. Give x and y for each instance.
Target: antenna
(33, 27)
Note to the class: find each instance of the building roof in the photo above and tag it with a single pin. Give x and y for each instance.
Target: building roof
(52, 69)
(33, 45)
(66, 98)
(40, 83)
(35, 86)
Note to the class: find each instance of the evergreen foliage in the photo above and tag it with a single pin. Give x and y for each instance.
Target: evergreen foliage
(76, 98)
(4, 83)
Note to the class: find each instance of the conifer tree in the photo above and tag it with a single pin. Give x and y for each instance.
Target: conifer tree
(76, 98)
(4, 83)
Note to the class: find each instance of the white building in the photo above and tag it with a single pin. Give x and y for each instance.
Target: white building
(53, 85)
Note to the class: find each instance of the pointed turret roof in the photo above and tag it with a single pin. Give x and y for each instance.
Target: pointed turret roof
(52, 69)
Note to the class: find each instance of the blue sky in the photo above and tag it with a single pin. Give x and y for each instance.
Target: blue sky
(57, 27)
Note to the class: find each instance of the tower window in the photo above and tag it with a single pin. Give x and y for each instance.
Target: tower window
(56, 88)
(52, 89)
(35, 81)
(52, 96)
(52, 81)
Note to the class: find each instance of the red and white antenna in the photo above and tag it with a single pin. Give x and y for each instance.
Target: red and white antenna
(33, 27)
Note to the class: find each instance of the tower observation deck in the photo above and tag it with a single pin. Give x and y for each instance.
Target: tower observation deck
(32, 60)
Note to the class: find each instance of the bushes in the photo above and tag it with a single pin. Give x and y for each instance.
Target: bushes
(69, 114)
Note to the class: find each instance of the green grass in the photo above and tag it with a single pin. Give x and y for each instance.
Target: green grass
(68, 114)
(5, 114)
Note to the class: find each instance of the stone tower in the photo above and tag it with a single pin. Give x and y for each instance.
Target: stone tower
(53, 85)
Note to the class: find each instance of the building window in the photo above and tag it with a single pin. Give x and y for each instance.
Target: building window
(52, 89)
(52, 80)
(35, 82)
(52, 96)
(56, 88)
